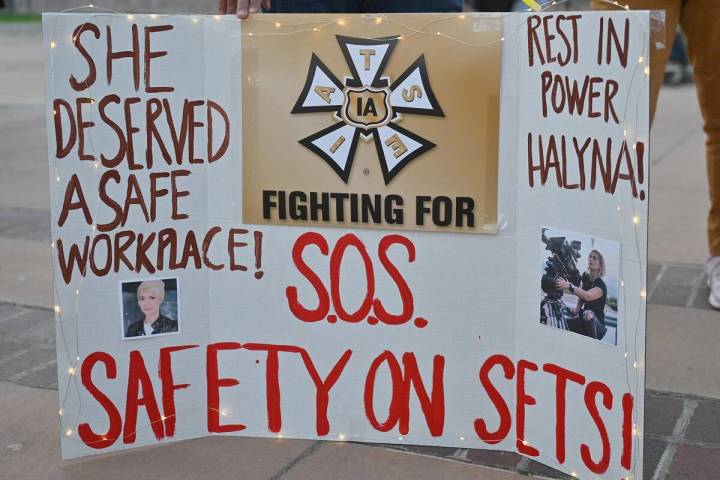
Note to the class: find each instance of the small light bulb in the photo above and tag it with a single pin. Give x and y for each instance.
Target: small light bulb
(130, 17)
(163, 417)
(642, 293)
(52, 244)
(216, 17)
(635, 365)
(53, 44)
(68, 432)
(462, 16)
(647, 71)
(195, 20)
(462, 439)
(57, 178)
(57, 308)
(502, 39)
(91, 6)
(97, 165)
(400, 438)
(71, 371)
(400, 37)
(152, 15)
(250, 34)
(574, 475)
(341, 22)
(342, 437)
(641, 59)
(315, 29)
(223, 413)
(626, 354)
(437, 33)
(278, 24)
(77, 292)
(636, 219)
(378, 20)
(622, 283)
(77, 359)
(60, 412)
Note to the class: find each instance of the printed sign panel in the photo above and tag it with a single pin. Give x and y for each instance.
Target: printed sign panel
(382, 129)
(182, 315)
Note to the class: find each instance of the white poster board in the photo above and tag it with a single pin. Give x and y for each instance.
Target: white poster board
(447, 347)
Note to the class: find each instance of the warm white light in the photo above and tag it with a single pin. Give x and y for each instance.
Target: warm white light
(68, 432)
(622, 283)
(462, 16)
(626, 354)
(635, 365)
(342, 437)
(57, 308)
(52, 244)
(60, 412)
(280, 435)
(437, 33)
(636, 219)
(642, 293)
(250, 34)
(216, 17)
(57, 178)
(195, 20)
(91, 6)
(97, 165)
(71, 371)
(647, 71)
(341, 22)
(53, 44)
(315, 29)
(502, 39)
(378, 20)
(462, 438)
(152, 15)
(223, 413)
(130, 17)
(400, 37)
(278, 24)
(641, 60)
(574, 474)
(400, 438)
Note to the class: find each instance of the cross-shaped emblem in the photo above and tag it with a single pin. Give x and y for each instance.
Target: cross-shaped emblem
(367, 106)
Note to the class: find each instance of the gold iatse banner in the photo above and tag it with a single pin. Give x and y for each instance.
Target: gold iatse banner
(372, 122)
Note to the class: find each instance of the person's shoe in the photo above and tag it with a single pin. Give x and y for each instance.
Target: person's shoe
(712, 273)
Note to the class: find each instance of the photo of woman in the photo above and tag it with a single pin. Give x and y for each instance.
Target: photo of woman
(589, 312)
(149, 308)
(579, 284)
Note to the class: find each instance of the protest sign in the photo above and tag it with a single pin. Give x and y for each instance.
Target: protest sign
(366, 228)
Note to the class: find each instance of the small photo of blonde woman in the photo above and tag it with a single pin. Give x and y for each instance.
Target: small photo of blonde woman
(579, 284)
(150, 308)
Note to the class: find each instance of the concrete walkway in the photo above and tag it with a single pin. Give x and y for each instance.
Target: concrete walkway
(682, 437)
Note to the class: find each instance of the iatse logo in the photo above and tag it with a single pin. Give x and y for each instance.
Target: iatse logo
(367, 106)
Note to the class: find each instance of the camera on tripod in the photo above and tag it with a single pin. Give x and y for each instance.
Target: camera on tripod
(560, 263)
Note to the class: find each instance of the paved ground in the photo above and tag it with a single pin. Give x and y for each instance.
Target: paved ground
(682, 435)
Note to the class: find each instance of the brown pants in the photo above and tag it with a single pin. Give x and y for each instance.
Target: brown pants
(700, 21)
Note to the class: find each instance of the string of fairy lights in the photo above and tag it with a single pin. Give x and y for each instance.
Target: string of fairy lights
(641, 72)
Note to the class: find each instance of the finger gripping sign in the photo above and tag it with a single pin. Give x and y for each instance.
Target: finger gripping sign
(417, 229)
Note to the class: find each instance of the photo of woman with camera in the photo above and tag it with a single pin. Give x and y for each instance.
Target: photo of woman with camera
(589, 312)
